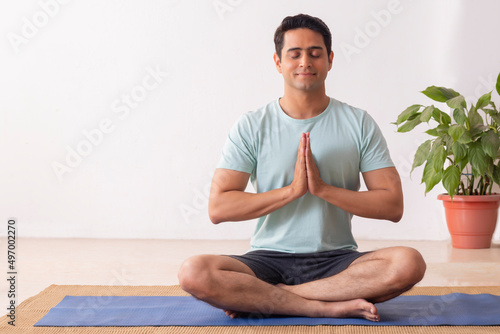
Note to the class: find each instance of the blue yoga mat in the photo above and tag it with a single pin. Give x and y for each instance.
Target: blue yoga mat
(453, 309)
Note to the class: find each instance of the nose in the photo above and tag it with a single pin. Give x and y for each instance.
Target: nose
(305, 61)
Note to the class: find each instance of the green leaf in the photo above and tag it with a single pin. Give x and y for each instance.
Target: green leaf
(496, 174)
(478, 159)
(483, 101)
(456, 131)
(477, 130)
(448, 141)
(496, 118)
(456, 102)
(498, 84)
(466, 138)
(410, 125)
(463, 163)
(490, 111)
(491, 143)
(459, 116)
(441, 117)
(451, 179)
(410, 111)
(440, 94)
(474, 117)
(431, 177)
(442, 131)
(421, 155)
(443, 128)
(459, 151)
(427, 114)
(438, 142)
(438, 158)
(432, 132)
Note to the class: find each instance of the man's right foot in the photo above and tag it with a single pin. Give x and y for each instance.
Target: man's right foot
(357, 308)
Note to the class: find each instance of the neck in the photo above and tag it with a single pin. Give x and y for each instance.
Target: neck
(304, 105)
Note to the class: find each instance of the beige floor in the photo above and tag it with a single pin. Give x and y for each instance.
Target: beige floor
(42, 262)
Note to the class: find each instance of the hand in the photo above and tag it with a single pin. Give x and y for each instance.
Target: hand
(314, 182)
(299, 183)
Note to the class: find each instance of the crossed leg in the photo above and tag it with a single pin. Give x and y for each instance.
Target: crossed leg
(229, 284)
(377, 276)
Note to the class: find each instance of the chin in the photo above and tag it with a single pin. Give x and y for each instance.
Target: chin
(306, 88)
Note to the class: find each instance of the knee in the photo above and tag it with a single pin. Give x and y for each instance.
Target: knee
(194, 276)
(409, 268)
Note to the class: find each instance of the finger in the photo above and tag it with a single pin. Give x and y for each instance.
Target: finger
(310, 165)
(301, 147)
(304, 140)
(308, 146)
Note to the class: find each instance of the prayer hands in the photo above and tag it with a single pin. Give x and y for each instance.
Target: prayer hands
(314, 182)
(306, 176)
(299, 183)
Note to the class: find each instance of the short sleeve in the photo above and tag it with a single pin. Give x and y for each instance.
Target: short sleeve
(239, 151)
(374, 151)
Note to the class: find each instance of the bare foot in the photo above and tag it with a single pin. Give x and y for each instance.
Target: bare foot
(232, 314)
(357, 308)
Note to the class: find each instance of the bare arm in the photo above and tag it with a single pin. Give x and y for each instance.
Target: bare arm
(229, 202)
(383, 200)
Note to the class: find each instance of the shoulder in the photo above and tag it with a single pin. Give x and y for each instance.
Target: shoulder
(356, 119)
(346, 113)
(347, 110)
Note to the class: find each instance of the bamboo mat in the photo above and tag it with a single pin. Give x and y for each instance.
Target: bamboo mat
(34, 308)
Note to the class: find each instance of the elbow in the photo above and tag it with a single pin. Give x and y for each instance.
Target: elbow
(397, 214)
(396, 218)
(214, 215)
(215, 219)
(217, 210)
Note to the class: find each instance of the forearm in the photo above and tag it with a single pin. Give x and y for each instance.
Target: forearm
(238, 205)
(376, 204)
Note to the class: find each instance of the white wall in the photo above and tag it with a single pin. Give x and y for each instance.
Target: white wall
(145, 92)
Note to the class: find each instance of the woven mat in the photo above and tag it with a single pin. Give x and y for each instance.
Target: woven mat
(34, 308)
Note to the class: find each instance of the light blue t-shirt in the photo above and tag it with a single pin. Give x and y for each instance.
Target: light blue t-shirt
(344, 141)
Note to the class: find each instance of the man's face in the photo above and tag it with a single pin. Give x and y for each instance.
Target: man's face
(304, 60)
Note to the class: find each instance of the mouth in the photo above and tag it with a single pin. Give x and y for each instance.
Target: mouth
(305, 74)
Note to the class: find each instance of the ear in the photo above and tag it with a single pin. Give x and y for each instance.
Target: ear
(330, 61)
(277, 61)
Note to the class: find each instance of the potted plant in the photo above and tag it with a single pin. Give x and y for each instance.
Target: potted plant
(463, 154)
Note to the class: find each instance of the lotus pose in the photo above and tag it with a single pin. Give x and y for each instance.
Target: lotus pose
(303, 153)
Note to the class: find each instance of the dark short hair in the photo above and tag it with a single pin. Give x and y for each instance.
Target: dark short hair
(302, 21)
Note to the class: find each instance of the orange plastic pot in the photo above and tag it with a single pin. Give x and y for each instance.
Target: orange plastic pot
(471, 220)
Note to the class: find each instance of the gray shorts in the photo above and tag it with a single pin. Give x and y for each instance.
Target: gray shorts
(292, 269)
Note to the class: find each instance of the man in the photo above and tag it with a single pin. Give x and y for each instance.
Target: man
(304, 153)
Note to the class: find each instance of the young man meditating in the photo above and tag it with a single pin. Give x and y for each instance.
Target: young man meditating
(303, 153)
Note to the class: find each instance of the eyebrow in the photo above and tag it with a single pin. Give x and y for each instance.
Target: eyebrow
(309, 48)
